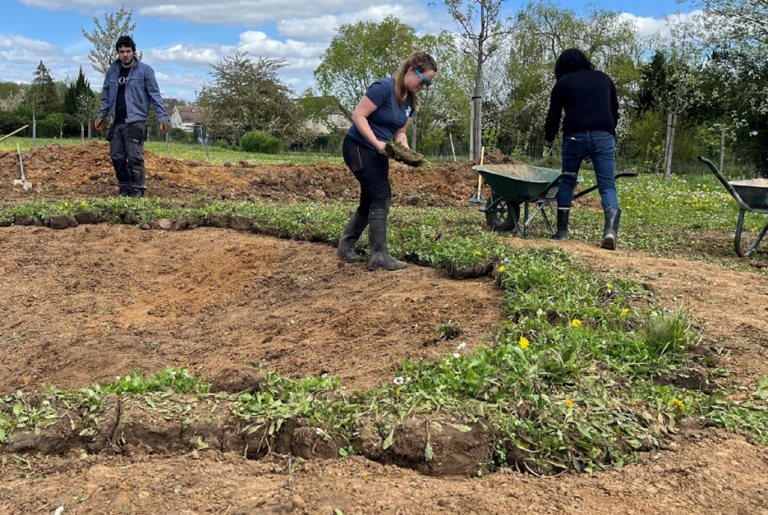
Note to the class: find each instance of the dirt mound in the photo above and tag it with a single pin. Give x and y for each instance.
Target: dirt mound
(86, 171)
(88, 303)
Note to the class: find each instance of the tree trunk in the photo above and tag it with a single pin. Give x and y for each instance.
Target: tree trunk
(671, 125)
(476, 137)
(476, 140)
(34, 131)
(89, 131)
(82, 134)
(413, 133)
(722, 150)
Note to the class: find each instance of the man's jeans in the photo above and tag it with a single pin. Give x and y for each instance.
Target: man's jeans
(601, 147)
(126, 147)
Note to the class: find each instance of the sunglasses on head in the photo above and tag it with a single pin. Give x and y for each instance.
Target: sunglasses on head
(424, 82)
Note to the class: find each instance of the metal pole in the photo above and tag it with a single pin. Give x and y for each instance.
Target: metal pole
(722, 148)
(452, 147)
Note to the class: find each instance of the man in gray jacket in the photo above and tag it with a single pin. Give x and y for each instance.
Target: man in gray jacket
(129, 88)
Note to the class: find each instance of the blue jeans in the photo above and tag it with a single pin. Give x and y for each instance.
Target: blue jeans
(599, 145)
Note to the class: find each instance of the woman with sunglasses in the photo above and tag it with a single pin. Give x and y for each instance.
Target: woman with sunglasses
(382, 115)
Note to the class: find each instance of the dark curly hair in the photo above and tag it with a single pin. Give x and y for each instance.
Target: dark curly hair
(572, 60)
(124, 41)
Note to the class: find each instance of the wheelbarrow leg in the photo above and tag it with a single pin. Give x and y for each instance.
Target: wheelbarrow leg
(737, 238)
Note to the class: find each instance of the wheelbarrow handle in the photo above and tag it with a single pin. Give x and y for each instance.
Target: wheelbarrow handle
(725, 183)
(593, 188)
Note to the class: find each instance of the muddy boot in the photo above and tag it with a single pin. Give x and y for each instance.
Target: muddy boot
(611, 228)
(563, 213)
(137, 193)
(352, 232)
(377, 235)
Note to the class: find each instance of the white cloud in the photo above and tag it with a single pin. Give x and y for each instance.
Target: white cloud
(21, 49)
(205, 12)
(648, 26)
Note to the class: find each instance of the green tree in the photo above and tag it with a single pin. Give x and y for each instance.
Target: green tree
(58, 121)
(43, 95)
(446, 105)
(75, 90)
(248, 96)
(104, 37)
(745, 19)
(525, 68)
(360, 54)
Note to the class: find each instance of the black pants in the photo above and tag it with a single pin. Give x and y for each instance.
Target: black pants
(371, 169)
(126, 147)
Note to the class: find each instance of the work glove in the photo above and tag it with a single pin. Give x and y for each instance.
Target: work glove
(547, 155)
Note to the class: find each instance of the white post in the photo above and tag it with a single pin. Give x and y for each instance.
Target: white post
(452, 147)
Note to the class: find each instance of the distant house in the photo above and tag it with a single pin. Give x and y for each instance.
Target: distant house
(334, 117)
(185, 118)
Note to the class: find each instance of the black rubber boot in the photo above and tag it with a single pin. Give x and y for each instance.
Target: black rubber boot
(377, 235)
(352, 232)
(611, 229)
(124, 192)
(137, 193)
(562, 223)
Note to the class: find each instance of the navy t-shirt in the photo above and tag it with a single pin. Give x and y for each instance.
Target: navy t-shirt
(388, 117)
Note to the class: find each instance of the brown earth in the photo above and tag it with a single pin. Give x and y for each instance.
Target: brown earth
(85, 304)
(88, 303)
(713, 473)
(86, 172)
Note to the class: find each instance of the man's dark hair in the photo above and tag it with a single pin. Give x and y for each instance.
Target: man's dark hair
(124, 41)
(572, 60)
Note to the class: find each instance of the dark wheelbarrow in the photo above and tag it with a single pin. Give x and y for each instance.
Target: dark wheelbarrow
(750, 195)
(513, 185)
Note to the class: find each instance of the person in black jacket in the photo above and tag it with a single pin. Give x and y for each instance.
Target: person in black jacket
(589, 131)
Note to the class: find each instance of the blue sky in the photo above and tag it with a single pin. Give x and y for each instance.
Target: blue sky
(180, 38)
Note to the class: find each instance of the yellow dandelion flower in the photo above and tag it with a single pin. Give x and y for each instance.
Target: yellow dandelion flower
(66, 204)
(677, 403)
(569, 403)
(576, 322)
(502, 268)
(61, 208)
(624, 312)
(477, 253)
(83, 203)
(524, 342)
(561, 277)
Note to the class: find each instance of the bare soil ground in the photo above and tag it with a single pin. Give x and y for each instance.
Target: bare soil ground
(713, 473)
(88, 303)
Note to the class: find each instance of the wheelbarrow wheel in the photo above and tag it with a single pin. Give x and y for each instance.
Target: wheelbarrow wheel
(503, 215)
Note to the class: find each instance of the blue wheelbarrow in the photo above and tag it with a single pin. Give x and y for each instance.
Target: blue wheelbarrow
(750, 195)
(513, 185)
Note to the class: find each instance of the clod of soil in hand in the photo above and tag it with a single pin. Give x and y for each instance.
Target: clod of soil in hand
(403, 155)
(236, 379)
